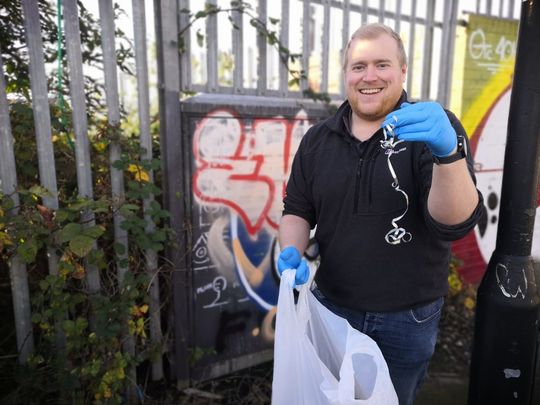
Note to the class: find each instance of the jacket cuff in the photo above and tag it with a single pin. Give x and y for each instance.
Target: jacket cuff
(451, 233)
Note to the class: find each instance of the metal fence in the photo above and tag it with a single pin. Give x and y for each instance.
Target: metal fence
(46, 161)
(237, 60)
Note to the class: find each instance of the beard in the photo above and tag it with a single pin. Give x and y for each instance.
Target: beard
(376, 114)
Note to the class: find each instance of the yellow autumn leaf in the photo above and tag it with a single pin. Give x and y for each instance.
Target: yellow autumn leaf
(100, 146)
(63, 272)
(66, 257)
(455, 283)
(5, 239)
(138, 173)
(469, 303)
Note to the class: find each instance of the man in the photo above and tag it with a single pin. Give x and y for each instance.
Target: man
(388, 184)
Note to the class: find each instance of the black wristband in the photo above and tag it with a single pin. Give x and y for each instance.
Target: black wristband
(461, 153)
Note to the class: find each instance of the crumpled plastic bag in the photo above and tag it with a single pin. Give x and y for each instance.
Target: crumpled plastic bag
(320, 359)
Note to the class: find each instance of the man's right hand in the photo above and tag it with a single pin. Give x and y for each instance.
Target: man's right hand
(290, 258)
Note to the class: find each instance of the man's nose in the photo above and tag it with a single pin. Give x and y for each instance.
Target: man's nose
(370, 74)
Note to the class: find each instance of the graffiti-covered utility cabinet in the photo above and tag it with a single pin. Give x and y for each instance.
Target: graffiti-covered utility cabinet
(237, 155)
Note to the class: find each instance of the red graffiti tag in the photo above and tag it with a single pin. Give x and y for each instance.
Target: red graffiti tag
(243, 164)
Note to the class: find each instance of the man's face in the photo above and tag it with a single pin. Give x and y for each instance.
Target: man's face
(374, 77)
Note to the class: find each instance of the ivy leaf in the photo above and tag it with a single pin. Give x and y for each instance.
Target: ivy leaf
(81, 245)
(61, 215)
(39, 191)
(69, 232)
(94, 231)
(28, 250)
(273, 20)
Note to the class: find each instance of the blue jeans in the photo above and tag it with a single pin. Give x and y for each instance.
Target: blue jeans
(406, 339)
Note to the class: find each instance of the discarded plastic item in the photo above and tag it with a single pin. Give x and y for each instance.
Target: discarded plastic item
(319, 359)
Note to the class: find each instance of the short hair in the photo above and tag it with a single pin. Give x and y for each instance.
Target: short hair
(372, 31)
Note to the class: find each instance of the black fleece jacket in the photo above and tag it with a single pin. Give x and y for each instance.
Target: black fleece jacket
(344, 187)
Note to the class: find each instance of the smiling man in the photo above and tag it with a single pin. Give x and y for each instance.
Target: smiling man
(388, 184)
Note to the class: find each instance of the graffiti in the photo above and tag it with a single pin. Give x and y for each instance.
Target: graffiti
(243, 164)
(511, 373)
(511, 287)
(489, 159)
(485, 102)
(490, 143)
(490, 54)
(200, 252)
(254, 264)
(218, 286)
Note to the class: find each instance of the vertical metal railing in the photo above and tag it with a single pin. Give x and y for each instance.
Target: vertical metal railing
(151, 259)
(42, 125)
(428, 51)
(397, 25)
(80, 125)
(238, 52)
(262, 83)
(306, 43)
(17, 269)
(106, 15)
(345, 36)
(410, 53)
(211, 50)
(185, 61)
(325, 47)
(42, 118)
(175, 197)
(284, 39)
(447, 58)
(364, 11)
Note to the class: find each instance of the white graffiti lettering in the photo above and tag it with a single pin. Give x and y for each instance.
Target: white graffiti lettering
(490, 55)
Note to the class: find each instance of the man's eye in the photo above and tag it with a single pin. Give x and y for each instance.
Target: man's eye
(383, 65)
(357, 68)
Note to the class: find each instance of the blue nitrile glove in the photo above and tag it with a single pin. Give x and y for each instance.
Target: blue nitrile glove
(290, 258)
(426, 122)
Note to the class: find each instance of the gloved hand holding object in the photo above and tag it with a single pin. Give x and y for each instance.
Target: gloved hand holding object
(426, 122)
(290, 258)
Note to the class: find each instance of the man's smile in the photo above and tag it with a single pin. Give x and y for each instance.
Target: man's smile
(371, 90)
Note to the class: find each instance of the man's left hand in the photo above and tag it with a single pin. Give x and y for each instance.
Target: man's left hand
(426, 122)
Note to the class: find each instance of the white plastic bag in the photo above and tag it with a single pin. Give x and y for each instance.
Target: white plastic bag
(320, 359)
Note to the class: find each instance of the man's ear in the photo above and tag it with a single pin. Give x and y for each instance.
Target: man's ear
(404, 72)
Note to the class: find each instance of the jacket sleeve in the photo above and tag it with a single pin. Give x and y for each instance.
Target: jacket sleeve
(298, 198)
(442, 231)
